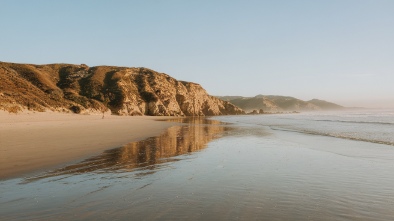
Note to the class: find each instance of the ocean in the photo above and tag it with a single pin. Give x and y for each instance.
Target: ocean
(306, 166)
(371, 125)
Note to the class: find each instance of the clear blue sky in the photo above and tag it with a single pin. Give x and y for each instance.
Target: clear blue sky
(337, 50)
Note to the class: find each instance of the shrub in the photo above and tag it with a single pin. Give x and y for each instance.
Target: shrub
(75, 109)
(148, 96)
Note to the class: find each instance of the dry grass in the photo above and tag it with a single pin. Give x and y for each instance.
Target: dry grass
(78, 88)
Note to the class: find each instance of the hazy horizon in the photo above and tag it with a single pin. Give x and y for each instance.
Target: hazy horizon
(344, 103)
(339, 51)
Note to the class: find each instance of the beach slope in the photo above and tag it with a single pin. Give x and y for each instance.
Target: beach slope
(32, 142)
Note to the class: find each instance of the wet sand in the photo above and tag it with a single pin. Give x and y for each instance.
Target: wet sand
(201, 169)
(41, 141)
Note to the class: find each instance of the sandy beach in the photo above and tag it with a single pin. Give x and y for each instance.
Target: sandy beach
(259, 167)
(32, 142)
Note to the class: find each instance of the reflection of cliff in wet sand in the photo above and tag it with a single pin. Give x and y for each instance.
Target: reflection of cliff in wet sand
(147, 154)
(194, 120)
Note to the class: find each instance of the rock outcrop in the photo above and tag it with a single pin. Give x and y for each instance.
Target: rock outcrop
(83, 89)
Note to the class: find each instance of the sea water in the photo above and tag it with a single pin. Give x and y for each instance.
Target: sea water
(368, 125)
(308, 166)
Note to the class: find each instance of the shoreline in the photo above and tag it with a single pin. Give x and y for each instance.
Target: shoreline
(35, 142)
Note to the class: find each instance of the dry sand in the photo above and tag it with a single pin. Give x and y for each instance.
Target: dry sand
(33, 142)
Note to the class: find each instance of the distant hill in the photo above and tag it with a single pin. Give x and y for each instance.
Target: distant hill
(274, 103)
(229, 98)
(325, 104)
(123, 90)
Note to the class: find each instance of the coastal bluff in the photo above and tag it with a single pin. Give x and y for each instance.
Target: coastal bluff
(275, 103)
(122, 90)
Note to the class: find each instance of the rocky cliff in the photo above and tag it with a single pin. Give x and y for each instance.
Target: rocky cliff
(123, 90)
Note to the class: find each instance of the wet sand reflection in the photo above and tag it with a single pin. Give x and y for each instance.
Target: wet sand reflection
(148, 154)
(195, 120)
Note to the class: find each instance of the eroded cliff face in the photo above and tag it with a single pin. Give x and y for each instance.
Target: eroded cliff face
(125, 91)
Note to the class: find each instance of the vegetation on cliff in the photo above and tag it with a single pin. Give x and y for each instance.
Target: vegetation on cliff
(123, 90)
(272, 103)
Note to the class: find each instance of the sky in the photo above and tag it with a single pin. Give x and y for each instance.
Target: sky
(336, 50)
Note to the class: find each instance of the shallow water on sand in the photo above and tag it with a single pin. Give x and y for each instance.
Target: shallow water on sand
(204, 170)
